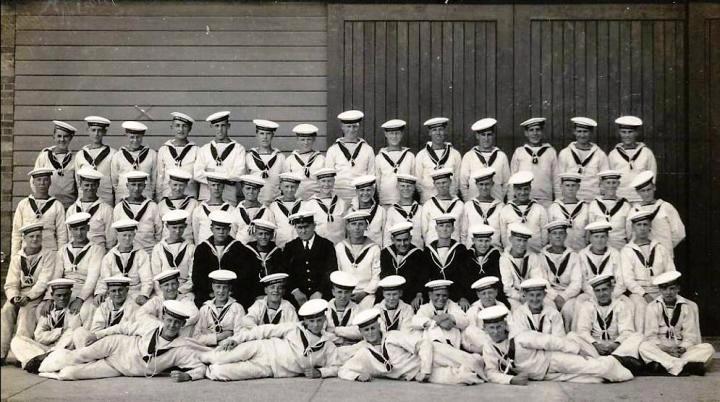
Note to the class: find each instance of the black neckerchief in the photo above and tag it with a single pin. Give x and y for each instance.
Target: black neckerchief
(135, 162)
(219, 159)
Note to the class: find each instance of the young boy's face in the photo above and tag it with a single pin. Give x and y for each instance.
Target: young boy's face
(599, 240)
(251, 192)
(135, 188)
(264, 138)
(326, 185)
(170, 288)
(407, 190)
(216, 188)
(557, 237)
(351, 129)
(603, 292)
(365, 194)
(175, 231)
(392, 298)
(221, 130)
(41, 183)
(125, 238)
(371, 333)
(647, 193)
(484, 187)
(288, 188)
(181, 129)
(33, 239)
(305, 143)
(135, 140)
(522, 192)
(393, 138)
(570, 188)
(534, 134)
(609, 186)
(444, 230)
(497, 330)
(670, 293)
(402, 242)
(118, 294)
(582, 135)
(62, 139)
(439, 298)
(482, 244)
(342, 296)
(485, 139)
(176, 187)
(518, 244)
(356, 228)
(487, 296)
(535, 298)
(79, 233)
(642, 229)
(221, 291)
(314, 324)
(61, 297)
(275, 291)
(171, 325)
(628, 136)
(220, 232)
(442, 186)
(89, 187)
(437, 134)
(263, 236)
(96, 134)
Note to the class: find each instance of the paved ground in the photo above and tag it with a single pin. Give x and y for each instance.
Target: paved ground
(17, 385)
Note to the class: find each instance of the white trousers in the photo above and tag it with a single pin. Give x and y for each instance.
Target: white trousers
(12, 317)
(640, 305)
(629, 347)
(700, 353)
(575, 368)
(246, 361)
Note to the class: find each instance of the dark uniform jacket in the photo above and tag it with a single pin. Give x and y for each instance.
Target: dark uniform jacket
(273, 263)
(480, 266)
(237, 258)
(454, 268)
(310, 271)
(411, 267)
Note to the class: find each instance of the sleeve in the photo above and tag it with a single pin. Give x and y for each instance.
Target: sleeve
(356, 365)
(554, 171)
(93, 273)
(239, 166)
(677, 228)
(152, 155)
(461, 320)
(464, 225)
(351, 332)
(420, 320)
(332, 361)
(156, 265)
(502, 222)
(628, 272)
(17, 223)
(188, 359)
(543, 220)
(375, 272)
(187, 287)
(620, 287)
(503, 174)
(652, 324)
(425, 222)
(110, 235)
(264, 332)
(12, 280)
(492, 369)
(125, 328)
(98, 319)
(57, 272)
(535, 340)
(105, 271)
(561, 167)
(200, 332)
(157, 224)
(160, 183)
(252, 317)
(45, 333)
(585, 319)
(45, 276)
(146, 276)
(626, 321)
(371, 162)
(464, 177)
(61, 234)
(199, 167)
(691, 326)
(558, 326)
(506, 278)
(115, 169)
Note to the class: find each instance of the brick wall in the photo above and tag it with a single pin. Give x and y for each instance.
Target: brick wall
(7, 98)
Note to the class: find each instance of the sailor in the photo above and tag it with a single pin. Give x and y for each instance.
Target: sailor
(177, 200)
(395, 314)
(584, 158)
(537, 314)
(483, 156)
(59, 158)
(517, 264)
(630, 156)
(167, 283)
(568, 208)
(272, 308)
(177, 153)
(402, 258)
(406, 209)
(366, 200)
(483, 209)
(446, 258)
(442, 203)
(216, 183)
(537, 157)
(140, 208)
(391, 161)
(265, 161)
(428, 161)
(441, 319)
(597, 258)
(350, 156)
(304, 161)
(328, 207)
(250, 208)
(115, 309)
(342, 309)
(174, 252)
(359, 256)
(97, 156)
(483, 258)
(268, 257)
(524, 210)
(474, 336)
(221, 155)
(220, 317)
(285, 206)
(135, 157)
(101, 214)
(610, 208)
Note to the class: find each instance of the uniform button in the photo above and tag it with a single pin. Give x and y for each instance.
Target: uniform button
(306, 263)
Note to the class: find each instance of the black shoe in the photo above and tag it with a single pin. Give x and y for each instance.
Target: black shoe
(693, 368)
(2, 361)
(636, 366)
(33, 365)
(655, 369)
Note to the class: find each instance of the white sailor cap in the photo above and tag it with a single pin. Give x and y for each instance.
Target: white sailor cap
(222, 276)
(356, 216)
(183, 117)
(629, 121)
(220, 217)
(609, 174)
(219, 177)
(533, 121)
(61, 283)
(484, 173)
(643, 179)
(598, 227)
(441, 173)
(217, 117)
(97, 121)
(252, 180)
(392, 282)
(485, 282)
(436, 122)
(324, 173)
(600, 279)
(136, 176)
(39, 172)
(444, 218)
(666, 278)
(178, 174)
(493, 314)
(519, 230)
(268, 280)
(64, 126)
(123, 225)
(557, 224)
(78, 219)
(302, 216)
(363, 181)
(90, 174)
(262, 224)
(305, 130)
(266, 125)
(178, 309)
(167, 275)
(117, 280)
(31, 227)
(313, 308)
(439, 284)
(175, 217)
(406, 178)
(366, 317)
(394, 125)
(640, 215)
(483, 124)
(343, 280)
(584, 122)
(481, 230)
(570, 176)
(134, 127)
(291, 177)
(521, 178)
(534, 284)
(400, 228)
(351, 116)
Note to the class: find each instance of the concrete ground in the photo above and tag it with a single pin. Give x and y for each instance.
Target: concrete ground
(18, 385)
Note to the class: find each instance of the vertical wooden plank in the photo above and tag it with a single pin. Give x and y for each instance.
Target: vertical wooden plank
(426, 74)
(403, 77)
(380, 82)
(391, 72)
(613, 54)
(672, 183)
(658, 134)
(446, 63)
(554, 128)
(568, 65)
(681, 129)
(591, 78)
(521, 22)
(339, 74)
(348, 64)
(580, 59)
(546, 75)
(637, 67)
(358, 66)
(368, 94)
(481, 69)
(535, 61)
(490, 71)
(468, 78)
(625, 61)
(414, 89)
(436, 67)
(648, 79)
(460, 131)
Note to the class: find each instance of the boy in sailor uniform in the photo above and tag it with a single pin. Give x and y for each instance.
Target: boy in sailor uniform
(143, 210)
(59, 158)
(177, 153)
(516, 358)
(216, 183)
(401, 356)
(642, 260)
(630, 157)
(40, 207)
(97, 156)
(525, 210)
(221, 155)
(441, 319)
(304, 161)
(269, 258)
(484, 156)
(446, 258)
(570, 209)
(406, 209)
(428, 161)
(101, 214)
(517, 264)
(401, 257)
(392, 161)
(279, 351)
(177, 200)
(250, 208)
(29, 272)
(474, 336)
(265, 161)
(440, 204)
(561, 267)
(365, 200)
(174, 252)
(271, 309)
(483, 209)
(395, 314)
(285, 206)
(483, 258)
(350, 156)
(597, 258)
(342, 310)
(610, 208)
(360, 257)
(667, 227)
(538, 158)
(328, 207)
(117, 308)
(220, 317)
(537, 313)
(168, 284)
(135, 157)
(584, 158)
(672, 332)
